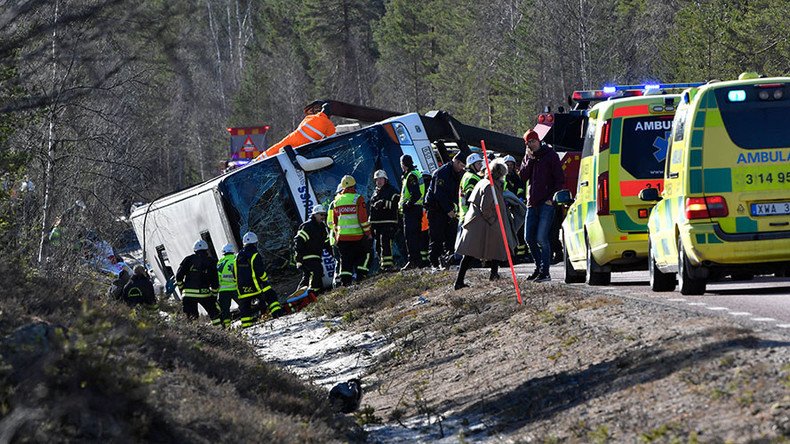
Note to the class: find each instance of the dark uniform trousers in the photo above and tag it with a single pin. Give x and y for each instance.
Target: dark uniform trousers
(412, 230)
(223, 300)
(383, 233)
(312, 274)
(354, 257)
(443, 229)
(209, 304)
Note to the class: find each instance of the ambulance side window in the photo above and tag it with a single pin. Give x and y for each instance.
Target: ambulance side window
(589, 139)
(679, 127)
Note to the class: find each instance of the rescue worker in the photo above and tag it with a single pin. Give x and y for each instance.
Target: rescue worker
(411, 203)
(139, 290)
(515, 185)
(384, 218)
(473, 174)
(351, 229)
(541, 167)
(315, 126)
(309, 244)
(253, 282)
(440, 201)
(227, 283)
(197, 280)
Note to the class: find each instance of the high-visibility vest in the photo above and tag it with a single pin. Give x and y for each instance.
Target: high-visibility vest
(347, 223)
(247, 281)
(405, 194)
(225, 267)
(313, 127)
(468, 183)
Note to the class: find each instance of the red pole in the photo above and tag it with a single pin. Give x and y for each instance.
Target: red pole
(501, 222)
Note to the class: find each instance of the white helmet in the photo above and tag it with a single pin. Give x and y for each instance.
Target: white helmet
(510, 158)
(380, 174)
(228, 249)
(249, 238)
(473, 159)
(318, 209)
(200, 245)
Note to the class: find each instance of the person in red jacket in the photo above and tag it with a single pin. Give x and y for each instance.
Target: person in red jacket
(315, 126)
(542, 169)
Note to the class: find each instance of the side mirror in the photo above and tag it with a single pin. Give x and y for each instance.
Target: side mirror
(649, 195)
(563, 197)
(313, 164)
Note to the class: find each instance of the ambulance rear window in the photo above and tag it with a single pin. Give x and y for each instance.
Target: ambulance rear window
(644, 146)
(756, 116)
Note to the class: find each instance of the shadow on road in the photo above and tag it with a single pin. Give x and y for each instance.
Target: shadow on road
(747, 291)
(630, 283)
(544, 397)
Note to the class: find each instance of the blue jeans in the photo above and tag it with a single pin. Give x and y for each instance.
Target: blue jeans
(536, 233)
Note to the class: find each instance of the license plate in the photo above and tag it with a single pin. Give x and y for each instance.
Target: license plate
(771, 209)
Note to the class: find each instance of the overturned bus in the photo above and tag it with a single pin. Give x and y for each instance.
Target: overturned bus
(274, 196)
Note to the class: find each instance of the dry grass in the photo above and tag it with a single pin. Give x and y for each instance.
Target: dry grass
(124, 375)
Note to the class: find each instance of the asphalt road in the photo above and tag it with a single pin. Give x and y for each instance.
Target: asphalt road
(762, 303)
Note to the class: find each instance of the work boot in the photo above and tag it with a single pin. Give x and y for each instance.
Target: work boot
(460, 285)
(494, 276)
(534, 275)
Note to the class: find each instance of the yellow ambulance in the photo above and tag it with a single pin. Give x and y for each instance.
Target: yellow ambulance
(725, 205)
(625, 146)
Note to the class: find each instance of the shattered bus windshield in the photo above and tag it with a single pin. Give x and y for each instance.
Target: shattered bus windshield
(359, 154)
(257, 199)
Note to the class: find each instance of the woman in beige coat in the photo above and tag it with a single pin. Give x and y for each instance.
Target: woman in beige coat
(481, 237)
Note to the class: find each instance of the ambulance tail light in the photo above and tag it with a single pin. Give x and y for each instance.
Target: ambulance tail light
(602, 198)
(706, 207)
(717, 206)
(606, 133)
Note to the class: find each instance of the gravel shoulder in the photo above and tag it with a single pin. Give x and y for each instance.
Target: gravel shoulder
(570, 364)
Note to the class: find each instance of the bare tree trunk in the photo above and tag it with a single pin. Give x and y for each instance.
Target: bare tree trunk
(213, 28)
(48, 172)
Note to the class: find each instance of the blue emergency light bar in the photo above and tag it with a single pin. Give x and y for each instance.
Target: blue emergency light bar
(610, 91)
(651, 86)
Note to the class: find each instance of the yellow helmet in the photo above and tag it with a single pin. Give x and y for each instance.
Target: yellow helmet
(347, 181)
(748, 75)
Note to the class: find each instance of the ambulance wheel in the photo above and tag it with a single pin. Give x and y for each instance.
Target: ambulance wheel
(659, 281)
(689, 285)
(596, 277)
(571, 276)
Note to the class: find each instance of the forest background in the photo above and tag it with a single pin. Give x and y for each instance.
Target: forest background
(110, 102)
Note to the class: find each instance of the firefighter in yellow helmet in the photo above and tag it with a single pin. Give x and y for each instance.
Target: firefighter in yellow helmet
(348, 220)
(252, 281)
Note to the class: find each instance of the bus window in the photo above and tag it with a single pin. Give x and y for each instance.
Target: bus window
(164, 261)
(359, 154)
(257, 199)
